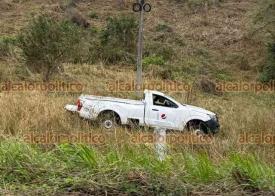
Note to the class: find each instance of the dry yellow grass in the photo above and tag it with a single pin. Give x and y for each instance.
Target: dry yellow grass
(23, 112)
(222, 34)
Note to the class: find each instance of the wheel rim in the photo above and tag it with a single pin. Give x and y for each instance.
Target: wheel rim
(108, 124)
(198, 129)
(198, 132)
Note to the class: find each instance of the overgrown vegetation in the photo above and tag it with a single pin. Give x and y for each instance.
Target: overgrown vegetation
(118, 40)
(183, 42)
(155, 60)
(6, 46)
(268, 73)
(264, 29)
(47, 43)
(126, 169)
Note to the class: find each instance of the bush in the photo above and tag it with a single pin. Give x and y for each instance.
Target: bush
(159, 49)
(87, 50)
(46, 43)
(93, 15)
(156, 60)
(118, 40)
(268, 73)
(6, 46)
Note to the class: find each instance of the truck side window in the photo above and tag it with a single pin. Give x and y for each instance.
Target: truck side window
(162, 101)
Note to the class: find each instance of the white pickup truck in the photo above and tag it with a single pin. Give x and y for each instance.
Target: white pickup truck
(155, 110)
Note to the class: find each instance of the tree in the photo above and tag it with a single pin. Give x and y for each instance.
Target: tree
(46, 43)
(118, 39)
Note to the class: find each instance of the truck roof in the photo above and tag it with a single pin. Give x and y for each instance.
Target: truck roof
(153, 92)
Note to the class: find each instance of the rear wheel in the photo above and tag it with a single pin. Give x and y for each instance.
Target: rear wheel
(109, 120)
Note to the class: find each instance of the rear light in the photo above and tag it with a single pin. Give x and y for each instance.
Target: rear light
(79, 105)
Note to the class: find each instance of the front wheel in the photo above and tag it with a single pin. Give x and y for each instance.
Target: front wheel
(198, 127)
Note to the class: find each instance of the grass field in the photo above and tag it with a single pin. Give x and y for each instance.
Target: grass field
(118, 166)
(213, 45)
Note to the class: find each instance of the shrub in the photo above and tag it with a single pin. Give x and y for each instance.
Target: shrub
(156, 60)
(268, 73)
(6, 46)
(159, 49)
(118, 39)
(46, 43)
(93, 15)
(87, 49)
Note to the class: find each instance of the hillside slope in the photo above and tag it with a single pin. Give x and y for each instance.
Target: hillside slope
(215, 42)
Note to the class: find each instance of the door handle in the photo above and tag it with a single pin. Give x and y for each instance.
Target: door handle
(156, 110)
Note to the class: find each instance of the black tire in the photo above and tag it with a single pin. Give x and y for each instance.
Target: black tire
(109, 120)
(198, 127)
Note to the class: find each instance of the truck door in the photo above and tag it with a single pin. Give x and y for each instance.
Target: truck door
(162, 112)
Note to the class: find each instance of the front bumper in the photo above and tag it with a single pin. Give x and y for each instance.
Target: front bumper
(213, 126)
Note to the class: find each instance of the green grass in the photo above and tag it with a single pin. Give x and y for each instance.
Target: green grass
(200, 168)
(251, 172)
(125, 169)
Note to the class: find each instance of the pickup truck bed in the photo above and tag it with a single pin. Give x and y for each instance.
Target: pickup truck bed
(112, 99)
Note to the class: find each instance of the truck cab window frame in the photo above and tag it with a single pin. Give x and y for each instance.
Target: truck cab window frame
(162, 101)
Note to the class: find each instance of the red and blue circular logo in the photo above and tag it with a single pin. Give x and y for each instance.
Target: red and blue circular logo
(163, 116)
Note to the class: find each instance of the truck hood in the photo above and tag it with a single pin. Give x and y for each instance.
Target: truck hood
(198, 109)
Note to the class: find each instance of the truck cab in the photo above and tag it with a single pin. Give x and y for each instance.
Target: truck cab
(164, 111)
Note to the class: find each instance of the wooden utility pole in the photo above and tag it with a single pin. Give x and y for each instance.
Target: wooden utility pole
(140, 52)
(140, 7)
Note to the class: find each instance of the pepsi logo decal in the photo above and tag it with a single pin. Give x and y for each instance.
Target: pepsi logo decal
(163, 116)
